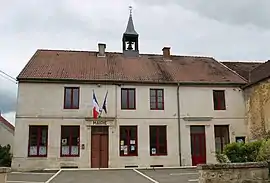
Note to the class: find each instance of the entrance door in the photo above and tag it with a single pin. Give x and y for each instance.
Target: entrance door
(99, 147)
(198, 149)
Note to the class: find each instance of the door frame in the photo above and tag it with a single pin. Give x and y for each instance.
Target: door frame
(201, 135)
(104, 130)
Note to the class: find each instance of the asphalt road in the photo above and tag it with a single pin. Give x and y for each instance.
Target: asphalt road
(170, 175)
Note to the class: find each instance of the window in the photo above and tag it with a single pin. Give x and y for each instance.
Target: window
(158, 140)
(219, 100)
(128, 141)
(241, 139)
(221, 137)
(71, 99)
(156, 99)
(128, 98)
(70, 140)
(38, 140)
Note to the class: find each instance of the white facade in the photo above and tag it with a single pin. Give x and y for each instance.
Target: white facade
(42, 104)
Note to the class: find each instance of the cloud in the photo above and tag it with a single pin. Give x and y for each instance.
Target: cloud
(7, 96)
(225, 30)
(240, 12)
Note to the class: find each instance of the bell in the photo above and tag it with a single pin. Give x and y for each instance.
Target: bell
(130, 45)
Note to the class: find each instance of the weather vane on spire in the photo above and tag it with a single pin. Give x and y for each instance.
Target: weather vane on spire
(130, 10)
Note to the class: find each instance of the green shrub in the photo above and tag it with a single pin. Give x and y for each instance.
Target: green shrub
(236, 152)
(252, 150)
(264, 151)
(5, 156)
(240, 152)
(222, 158)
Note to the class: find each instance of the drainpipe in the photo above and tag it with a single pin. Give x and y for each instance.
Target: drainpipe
(116, 100)
(179, 124)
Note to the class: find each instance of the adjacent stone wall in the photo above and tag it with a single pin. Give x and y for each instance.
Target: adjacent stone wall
(257, 99)
(234, 173)
(3, 174)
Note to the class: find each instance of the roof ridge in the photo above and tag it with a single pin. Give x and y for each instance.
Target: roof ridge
(245, 62)
(115, 52)
(64, 50)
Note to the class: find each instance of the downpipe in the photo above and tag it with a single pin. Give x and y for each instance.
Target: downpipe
(179, 124)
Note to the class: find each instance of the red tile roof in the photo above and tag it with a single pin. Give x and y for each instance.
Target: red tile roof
(86, 66)
(242, 68)
(6, 123)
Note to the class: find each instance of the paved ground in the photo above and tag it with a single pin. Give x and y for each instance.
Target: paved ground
(29, 177)
(170, 175)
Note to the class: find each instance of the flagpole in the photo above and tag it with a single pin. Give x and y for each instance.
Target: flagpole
(104, 103)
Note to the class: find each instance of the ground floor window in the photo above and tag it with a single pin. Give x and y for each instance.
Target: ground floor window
(70, 140)
(128, 141)
(221, 137)
(38, 140)
(158, 140)
(241, 139)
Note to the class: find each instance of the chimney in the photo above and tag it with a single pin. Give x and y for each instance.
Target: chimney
(101, 49)
(166, 53)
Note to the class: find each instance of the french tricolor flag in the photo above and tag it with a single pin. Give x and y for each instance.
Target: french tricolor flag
(95, 107)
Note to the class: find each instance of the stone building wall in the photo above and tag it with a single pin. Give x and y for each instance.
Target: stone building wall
(234, 173)
(257, 99)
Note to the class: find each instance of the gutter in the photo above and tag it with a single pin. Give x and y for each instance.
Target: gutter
(179, 124)
(107, 81)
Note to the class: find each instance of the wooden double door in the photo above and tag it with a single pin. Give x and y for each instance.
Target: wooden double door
(198, 147)
(99, 147)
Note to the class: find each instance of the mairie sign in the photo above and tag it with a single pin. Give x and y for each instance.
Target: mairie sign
(100, 121)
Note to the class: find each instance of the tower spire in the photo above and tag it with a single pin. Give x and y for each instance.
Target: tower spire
(130, 38)
(130, 26)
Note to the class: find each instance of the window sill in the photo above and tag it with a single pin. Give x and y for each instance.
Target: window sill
(158, 154)
(156, 109)
(128, 155)
(44, 156)
(69, 156)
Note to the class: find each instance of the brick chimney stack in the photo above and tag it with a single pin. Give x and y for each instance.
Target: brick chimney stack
(101, 49)
(166, 53)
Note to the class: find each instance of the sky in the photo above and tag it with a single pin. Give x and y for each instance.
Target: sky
(226, 30)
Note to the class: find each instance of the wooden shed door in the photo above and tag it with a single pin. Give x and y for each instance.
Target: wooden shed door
(198, 149)
(99, 147)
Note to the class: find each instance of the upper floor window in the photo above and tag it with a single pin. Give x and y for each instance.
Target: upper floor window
(156, 99)
(219, 100)
(71, 99)
(128, 99)
(38, 140)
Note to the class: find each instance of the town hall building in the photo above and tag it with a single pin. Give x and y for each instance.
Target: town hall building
(99, 109)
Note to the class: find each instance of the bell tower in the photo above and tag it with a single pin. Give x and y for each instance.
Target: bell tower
(130, 39)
